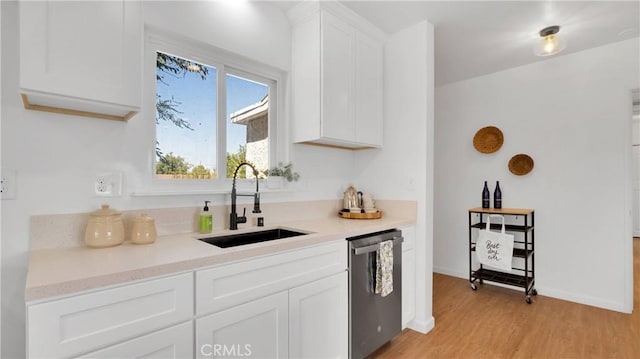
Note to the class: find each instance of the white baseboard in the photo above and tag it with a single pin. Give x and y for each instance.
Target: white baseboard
(451, 272)
(583, 299)
(422, 326)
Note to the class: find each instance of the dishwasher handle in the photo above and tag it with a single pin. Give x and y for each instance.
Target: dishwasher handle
(374, 247)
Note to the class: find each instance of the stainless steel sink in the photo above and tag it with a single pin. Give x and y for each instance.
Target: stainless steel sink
(240, 239)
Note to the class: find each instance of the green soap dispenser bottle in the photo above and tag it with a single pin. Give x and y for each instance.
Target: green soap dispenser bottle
(205, 224)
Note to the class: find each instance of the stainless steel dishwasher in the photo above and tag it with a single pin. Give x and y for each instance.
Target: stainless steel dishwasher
(373, 319)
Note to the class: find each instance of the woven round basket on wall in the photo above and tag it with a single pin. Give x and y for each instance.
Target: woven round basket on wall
(488, 139)
(521, 164)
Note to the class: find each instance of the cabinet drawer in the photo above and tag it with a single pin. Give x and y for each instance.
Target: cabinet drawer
(172, 343)
(229, 285)
(79, 324)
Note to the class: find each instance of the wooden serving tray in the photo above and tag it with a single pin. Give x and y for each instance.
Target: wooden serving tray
(350, 215)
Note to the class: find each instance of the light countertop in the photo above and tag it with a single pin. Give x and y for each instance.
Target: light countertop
(63, 271)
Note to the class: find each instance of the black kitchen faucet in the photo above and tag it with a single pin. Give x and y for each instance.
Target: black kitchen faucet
(234, 219)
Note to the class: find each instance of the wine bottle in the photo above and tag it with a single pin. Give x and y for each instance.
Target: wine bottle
(497, 196)
(485, 196)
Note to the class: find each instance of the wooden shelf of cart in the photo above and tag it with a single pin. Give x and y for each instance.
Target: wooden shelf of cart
(522, 220)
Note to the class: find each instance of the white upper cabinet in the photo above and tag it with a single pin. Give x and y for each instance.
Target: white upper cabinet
(337, 77)
(337, 80)
(368, 90)
(81, 57)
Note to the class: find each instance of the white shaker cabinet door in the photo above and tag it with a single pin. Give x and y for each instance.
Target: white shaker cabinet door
(408, 286)
(368, 96)
(337, 85)
(318, 319)
(256, 329)
(82, 55)
(172, 343)
(408, 275)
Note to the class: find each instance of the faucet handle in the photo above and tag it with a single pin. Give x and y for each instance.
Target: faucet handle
(256, 203)
(243, 218)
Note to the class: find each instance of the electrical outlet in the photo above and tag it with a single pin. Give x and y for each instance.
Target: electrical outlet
(108, 184)
(8, 185)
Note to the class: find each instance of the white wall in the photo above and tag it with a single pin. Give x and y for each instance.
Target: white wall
(635, 177)
(0, 167)
(572, 115)
(57, 156)
(403, 169)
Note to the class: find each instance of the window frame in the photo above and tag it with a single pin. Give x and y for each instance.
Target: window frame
(225, 63)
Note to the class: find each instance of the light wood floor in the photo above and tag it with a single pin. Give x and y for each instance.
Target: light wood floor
(495, 322)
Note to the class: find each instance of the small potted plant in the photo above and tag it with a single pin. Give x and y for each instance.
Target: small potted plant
(277, 175)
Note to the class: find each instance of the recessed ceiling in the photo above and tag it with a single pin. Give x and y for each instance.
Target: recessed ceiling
(474, 38)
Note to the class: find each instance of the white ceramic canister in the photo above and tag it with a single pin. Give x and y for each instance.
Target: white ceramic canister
(104, 228)
(143, 230)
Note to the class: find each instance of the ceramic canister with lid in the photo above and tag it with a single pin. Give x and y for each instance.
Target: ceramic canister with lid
(143, 230)
(104, 228)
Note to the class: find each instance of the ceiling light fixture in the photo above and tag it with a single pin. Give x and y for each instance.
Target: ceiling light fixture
(550, 42)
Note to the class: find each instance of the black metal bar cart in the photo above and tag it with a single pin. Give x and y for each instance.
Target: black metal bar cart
(523, 268)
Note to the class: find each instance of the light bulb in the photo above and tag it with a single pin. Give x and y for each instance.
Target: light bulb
(550, 44)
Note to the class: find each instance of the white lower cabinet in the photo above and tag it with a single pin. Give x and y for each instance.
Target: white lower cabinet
(318, 319)
(86, 322)
(291, 304)
(408, 286)
(172, 343)
(288, 305)
(255, 329)
(408, 275)
(309, 321)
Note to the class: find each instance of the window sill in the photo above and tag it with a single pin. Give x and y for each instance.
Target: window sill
(204, 192)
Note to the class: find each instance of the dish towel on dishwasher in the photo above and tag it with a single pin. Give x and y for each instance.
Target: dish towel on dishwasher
(384, 268)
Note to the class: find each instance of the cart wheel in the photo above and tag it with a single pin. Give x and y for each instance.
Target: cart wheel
(528, 300)
(474, 287)
(534, 292)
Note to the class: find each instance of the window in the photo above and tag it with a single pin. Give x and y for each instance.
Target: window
(247, 125)
(212, 113)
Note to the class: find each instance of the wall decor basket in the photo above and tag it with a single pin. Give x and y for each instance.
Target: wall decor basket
(520, 164)
(488, 139)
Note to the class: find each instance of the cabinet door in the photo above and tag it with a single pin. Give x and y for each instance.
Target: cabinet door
(78, 324)
(408, 286)
(171, 343)
(81, 50)
(408, 275)
(368, 91)
(318, 319)
(337, 84)
(256, 329)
